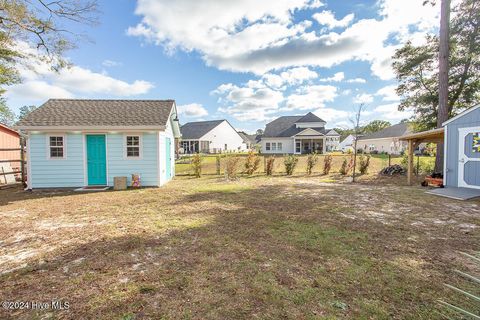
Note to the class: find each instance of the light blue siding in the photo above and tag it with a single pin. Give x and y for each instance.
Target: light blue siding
(146, 165)
(56, 173)
(471, 119)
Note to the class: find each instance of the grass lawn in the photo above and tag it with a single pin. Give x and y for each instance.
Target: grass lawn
(258, 248)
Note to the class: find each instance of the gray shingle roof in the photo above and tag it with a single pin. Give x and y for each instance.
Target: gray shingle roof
(108, 113)
(396, 130)
(247, 138)
(285, 126)
(310, 117)
(196, 130)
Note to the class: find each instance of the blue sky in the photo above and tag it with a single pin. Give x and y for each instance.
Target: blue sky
(246, 61)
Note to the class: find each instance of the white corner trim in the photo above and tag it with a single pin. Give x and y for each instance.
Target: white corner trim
(29, 165)
(445, 139)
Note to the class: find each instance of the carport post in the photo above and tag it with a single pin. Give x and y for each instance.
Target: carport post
(410, 162)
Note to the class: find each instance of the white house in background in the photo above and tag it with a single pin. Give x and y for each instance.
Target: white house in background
(347, 143)
(386, 140)
(213, 136)
(298, 135)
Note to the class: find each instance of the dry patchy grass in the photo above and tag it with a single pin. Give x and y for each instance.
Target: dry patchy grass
(260, 247)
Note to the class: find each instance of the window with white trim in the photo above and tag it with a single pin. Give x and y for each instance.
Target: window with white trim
(57, 147)
(274, 146)
(132, 146)
(297, 146)
(267, 146)
(279, 146)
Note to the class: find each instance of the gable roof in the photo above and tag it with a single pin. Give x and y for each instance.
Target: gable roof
(310, 117)
(461, 114)
(247, 138)
(285, 126)
(196, 130)
(7, 128)
(394, 131)
(99, 113)
(332, 132)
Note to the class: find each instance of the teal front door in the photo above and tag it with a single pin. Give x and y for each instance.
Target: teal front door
(168, 162)
(96, 160)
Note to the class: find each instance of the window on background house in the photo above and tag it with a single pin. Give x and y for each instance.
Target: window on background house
(132, 146)
(297, 147)
(57, 147)
(279, 146)
(274, 146)
(267, 146)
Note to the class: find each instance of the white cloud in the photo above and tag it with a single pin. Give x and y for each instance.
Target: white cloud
(388, 93)
(293, 76)
(248, 104)
(311, 97)
(193, 110)
(260, 36)
(37, 90)
(337, 77)
(330, 114)
(110, 63)
(390, 112)
(363, 98)
(328, 18)
(357, 80)
(41, 82)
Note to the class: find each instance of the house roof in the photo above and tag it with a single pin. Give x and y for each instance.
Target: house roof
(247, 138)
(285, 126)
(99, 113)
(196, 130)
(461, 114)
(309, 117)
(7, 128)
(394, 131)
(332, 132)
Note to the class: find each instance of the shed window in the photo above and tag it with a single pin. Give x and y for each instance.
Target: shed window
(57, 145)
(133, 146)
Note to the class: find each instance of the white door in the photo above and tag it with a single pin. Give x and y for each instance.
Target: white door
(469, 158)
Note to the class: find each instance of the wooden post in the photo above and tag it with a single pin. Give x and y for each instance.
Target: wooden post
(389, 159)
(410, 163)
(418, 165)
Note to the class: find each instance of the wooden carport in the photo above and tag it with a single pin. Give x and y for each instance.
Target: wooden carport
(414, 140)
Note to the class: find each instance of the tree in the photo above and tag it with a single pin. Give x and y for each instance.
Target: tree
(442, 114)
(357, 130)
(39, 24)
(7, 117)
(376, 125)
(25, 110)
(259, 132)
(416, 69)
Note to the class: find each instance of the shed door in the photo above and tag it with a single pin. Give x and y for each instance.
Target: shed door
(96, 160)
(469, 158)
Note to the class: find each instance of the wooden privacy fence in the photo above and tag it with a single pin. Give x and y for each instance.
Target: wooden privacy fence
(377, 163)
(18, 166)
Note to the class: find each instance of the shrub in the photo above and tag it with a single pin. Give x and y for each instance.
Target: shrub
(197, 165)
(252, 163)
(346, 166)
(363, 163)
(327, 164)
(269, 166)
(231, 167)
(312, 160)
(290, 163)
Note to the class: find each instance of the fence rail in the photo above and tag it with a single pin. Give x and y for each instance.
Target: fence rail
(377, 163)
(22, 162)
